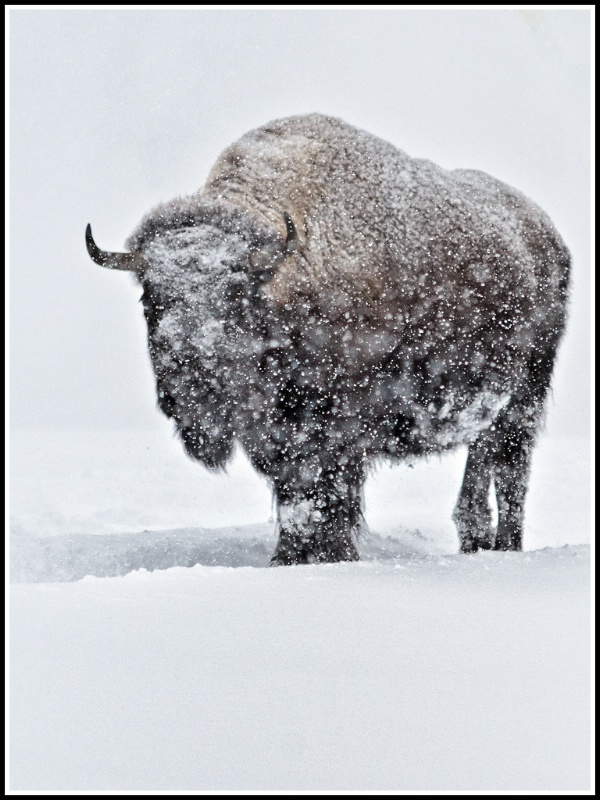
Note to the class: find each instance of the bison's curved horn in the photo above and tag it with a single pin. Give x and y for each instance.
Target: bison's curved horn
(291, 242)
(127, 261)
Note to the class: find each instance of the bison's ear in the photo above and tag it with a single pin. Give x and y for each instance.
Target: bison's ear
(133, 262)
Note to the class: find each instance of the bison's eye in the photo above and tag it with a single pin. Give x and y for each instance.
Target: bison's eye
(154, 306)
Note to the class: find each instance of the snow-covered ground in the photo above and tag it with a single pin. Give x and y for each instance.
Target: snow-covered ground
(414, 669)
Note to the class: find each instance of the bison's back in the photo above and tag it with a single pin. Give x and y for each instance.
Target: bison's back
(372, 218)
(409, 250)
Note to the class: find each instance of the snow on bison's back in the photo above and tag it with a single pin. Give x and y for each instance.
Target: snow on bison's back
(327, 300)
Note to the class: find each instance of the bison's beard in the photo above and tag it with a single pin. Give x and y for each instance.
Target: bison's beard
(202, 416)
(193, 367)
(211, 450)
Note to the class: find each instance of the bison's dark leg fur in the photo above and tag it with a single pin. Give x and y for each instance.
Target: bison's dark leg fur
(511, 474)
(504, 453)
(319, 520)
(472, 513)
(514, 439)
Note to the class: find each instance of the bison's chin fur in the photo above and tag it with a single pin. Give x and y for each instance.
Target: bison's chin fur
(212, 452)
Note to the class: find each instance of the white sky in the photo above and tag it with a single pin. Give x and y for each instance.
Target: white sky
(114, 111)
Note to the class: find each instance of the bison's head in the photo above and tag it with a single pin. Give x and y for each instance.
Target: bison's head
(199, 284)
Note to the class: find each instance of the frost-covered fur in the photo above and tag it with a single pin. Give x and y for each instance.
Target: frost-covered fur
(417, 310)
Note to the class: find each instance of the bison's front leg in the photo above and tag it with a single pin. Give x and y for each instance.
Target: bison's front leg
(319, 518)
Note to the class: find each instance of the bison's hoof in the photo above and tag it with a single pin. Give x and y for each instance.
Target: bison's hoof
(287, 556)
(510, 545)
(471, 544)
(285, 560)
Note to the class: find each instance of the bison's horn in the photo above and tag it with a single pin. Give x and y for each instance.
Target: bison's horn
(291, 242)
(127, 261)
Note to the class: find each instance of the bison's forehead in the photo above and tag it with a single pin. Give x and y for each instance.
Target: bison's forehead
(192, 256)
(186, 288)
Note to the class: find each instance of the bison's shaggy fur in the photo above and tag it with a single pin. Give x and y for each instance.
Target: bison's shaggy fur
(327, 301)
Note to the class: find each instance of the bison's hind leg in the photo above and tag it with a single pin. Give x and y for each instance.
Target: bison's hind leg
(472, 514)
(503, 455)
(514, 439)
(514, 442)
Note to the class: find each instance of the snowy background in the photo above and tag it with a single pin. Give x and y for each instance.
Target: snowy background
(414, 669)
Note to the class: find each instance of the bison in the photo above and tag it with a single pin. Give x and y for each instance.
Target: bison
(327, 301)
